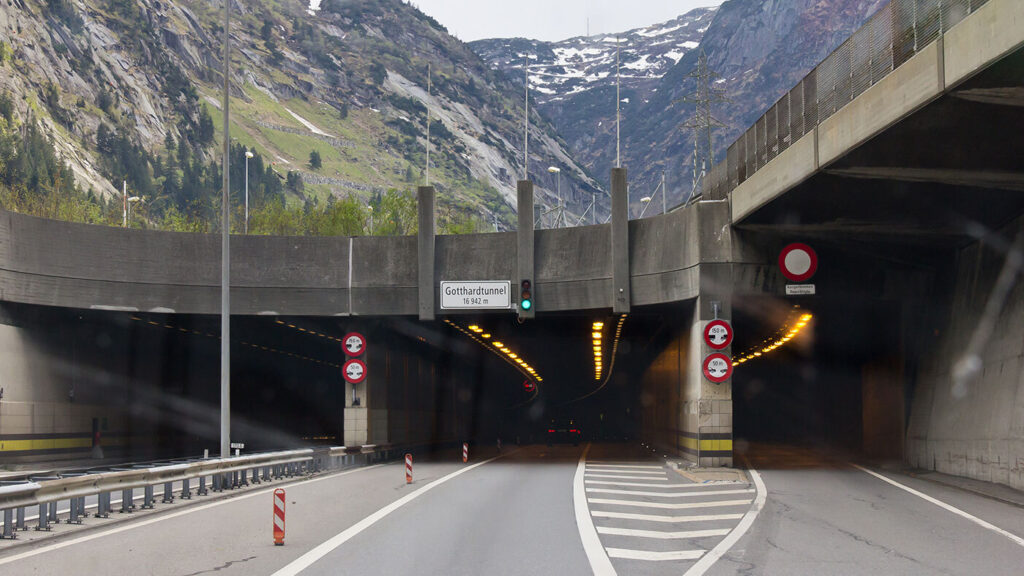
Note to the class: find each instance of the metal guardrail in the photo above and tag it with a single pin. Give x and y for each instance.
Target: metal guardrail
(892, 36)
(226, 473)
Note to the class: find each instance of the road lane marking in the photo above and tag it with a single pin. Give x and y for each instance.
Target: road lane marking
(661, 535)
(621, 471)
(690, 494)
(624, 477)
(596, 554)
(614, 483)
(641, 467)
(311, 557)
(147, 522)
(1016, 539)
(671, 506)
(729, 541)
(645, 555)
(657, 518)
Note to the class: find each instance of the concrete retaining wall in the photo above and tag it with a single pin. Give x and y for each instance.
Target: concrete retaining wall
(977, 429)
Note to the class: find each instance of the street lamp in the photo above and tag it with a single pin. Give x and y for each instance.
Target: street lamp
(132, 200)
(248, 154)
(558, 187)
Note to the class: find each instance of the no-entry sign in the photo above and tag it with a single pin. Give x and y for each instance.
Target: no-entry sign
(354, 343)
(354, 371)
(717, 368)
(798, 262)
(718, 334)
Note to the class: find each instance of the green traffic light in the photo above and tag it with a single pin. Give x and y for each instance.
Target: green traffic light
(526, 305)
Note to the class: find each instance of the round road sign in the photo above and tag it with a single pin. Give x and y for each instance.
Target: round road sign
(717, 368)
(718, 334)
(354, 343)
(798, 262)
(354, 371)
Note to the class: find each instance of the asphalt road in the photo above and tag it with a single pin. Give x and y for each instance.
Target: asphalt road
(520, 514)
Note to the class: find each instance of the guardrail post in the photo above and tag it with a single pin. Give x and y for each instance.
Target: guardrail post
(186, 490)
(43, 518)
(103, 505)
(127, 500)
(73, 512)
(53, 513)
(9, 525)
(147, 497)
(168, 493)
(202, 487)
(256, 475)
(21, 519)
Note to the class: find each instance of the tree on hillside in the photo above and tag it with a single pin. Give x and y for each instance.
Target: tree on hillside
(314, 160)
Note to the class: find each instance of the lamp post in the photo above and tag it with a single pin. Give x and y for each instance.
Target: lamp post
(128, 211)
(248, 154)
(558, 187)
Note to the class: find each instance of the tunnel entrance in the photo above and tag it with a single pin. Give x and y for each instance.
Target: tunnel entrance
(836, 384)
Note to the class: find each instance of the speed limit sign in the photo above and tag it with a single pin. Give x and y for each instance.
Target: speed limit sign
(717, 368)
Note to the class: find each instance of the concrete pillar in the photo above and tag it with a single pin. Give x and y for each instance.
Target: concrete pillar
(524, 246)
(366, 403)
(620, 242)
(425, 251)
(705, 421)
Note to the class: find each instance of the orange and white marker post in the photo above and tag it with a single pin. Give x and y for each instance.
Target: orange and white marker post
(279, 517)
(465, 452)
(408, 468)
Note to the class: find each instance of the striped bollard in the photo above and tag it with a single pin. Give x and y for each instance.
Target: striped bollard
(465, 452)
(408, 468)
(279, 517)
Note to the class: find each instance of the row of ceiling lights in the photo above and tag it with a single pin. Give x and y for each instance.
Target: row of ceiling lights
(242, 342)
(791, 329)
(598, 338)
(484, 338)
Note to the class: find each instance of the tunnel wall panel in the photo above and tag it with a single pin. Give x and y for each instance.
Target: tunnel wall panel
(974, 426)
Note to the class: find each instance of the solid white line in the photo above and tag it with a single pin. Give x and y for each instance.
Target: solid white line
(669, 494)
(309, 558)
(133, 525)
(722, 547)
(1016, 539)
(645, 555)
(625, 477)
(596, 554)
(656, 518)
(591, 469)
(615, 483)
(661, 535)
(598, 464)
(671, 506)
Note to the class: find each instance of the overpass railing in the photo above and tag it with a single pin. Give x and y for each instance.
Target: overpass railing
(889, 38)
(45, 492)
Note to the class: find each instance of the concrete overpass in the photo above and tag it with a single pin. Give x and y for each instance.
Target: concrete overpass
(906, 181)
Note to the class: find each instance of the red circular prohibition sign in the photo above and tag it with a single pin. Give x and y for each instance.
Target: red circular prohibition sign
(798, 262)
(714, 370)
(718, 334)
(354, 371)
(354, 343)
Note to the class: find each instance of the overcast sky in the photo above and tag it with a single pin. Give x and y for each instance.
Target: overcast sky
(551, 19)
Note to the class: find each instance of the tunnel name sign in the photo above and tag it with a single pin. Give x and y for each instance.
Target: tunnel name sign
(717, 368)
(476, 295)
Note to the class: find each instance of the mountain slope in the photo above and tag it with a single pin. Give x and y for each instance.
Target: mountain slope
(758, 48)
(130, 89)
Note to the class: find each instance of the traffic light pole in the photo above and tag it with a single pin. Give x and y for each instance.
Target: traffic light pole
(524, 244)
